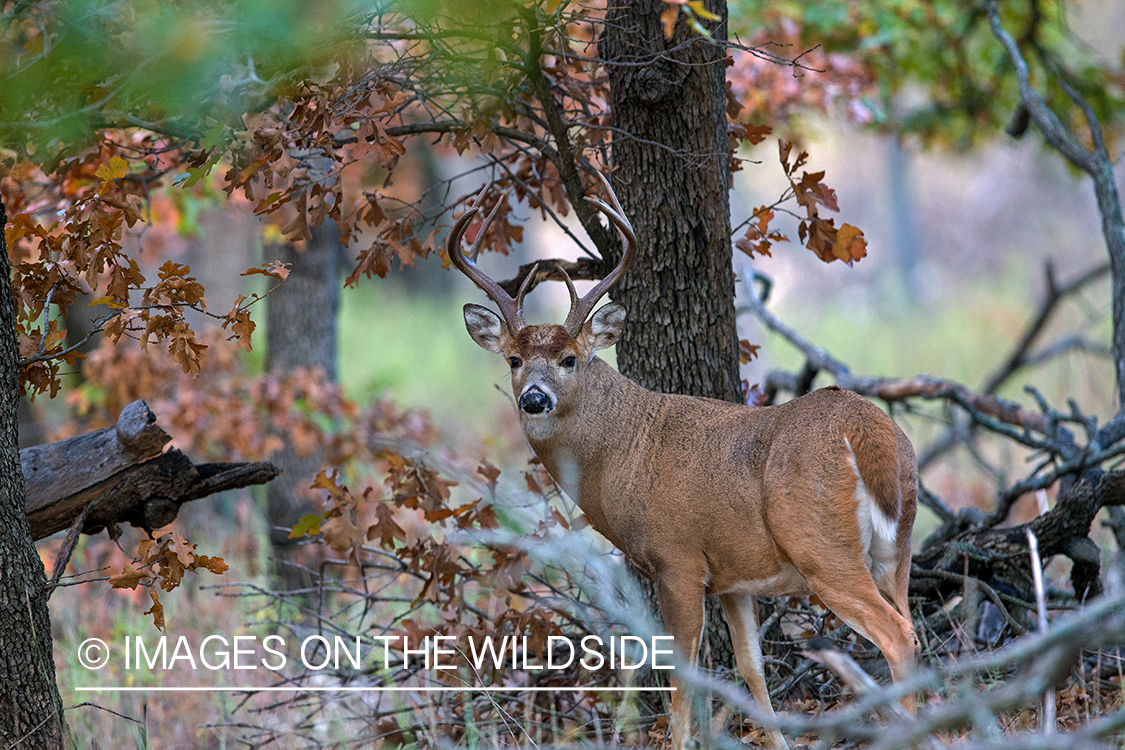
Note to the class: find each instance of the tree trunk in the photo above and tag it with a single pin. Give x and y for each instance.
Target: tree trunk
(30, 707)
(672, 176)
(300, 332)
(671, 173)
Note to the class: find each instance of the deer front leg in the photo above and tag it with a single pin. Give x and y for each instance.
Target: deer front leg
(681, 607)
(741, 611)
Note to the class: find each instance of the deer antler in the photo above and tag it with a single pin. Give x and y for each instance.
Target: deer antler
(580, 309)
(510, 309)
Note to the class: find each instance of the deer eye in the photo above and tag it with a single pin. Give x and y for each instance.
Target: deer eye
(570, 361)
(514, 362)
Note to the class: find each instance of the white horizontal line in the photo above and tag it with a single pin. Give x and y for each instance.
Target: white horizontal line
(395, 689)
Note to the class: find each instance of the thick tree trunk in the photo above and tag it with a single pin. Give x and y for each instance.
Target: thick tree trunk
(671, 173)
(300, 332)
(670, 158)
(30, 707)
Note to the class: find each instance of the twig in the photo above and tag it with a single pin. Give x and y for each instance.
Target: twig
(1048, 721)
(860, 682)
(1021, 355)
(65, 552)
(986, 409)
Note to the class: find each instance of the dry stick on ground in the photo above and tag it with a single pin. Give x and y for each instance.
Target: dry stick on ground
(860, 682)
(1048, 721)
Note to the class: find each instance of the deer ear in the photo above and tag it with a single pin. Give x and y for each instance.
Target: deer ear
(604, 327)
(486, 328)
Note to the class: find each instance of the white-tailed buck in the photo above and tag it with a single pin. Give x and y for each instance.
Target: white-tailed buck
(817, 495)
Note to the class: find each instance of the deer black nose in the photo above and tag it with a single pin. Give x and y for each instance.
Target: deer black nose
(535, 401)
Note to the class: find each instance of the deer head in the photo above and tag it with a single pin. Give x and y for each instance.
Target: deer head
(547, 360)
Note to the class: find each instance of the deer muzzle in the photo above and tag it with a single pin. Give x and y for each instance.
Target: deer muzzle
(535, 401)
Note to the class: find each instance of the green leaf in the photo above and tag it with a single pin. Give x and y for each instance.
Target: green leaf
(213, 138)
(198, 173)
(308, 526)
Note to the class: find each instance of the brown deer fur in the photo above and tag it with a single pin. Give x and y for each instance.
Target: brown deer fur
(817, 495)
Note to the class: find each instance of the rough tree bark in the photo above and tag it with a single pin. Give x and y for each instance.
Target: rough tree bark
(300, 332)
(30, 707)
(671, 173)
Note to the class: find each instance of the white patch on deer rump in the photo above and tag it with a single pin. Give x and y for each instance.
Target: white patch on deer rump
(878, 533)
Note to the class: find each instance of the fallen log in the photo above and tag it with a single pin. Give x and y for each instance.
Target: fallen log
(122, 474)
(999, 556)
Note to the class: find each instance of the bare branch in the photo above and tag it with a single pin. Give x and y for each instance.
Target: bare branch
(1096, 164)
(1021, 354)
(987, 410)
(604, 238)
(1056, 134)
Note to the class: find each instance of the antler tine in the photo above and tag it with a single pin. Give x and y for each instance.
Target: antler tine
(612, 197)
(523, 290)
(569, 288)
(580, 309)
(510, 309)
(474, 250)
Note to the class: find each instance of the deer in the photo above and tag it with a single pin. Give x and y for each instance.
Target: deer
(706, 497)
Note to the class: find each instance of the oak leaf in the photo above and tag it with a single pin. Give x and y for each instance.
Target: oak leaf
(274, 268)
(157, 609)
(110, 173)
(128, 578)
(747, 351)
(385, 527)
(668, 18)
(490, 474)
(850, 244)
(341, 533)
(216, 565)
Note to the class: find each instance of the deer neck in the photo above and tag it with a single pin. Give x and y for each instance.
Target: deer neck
(610, 418)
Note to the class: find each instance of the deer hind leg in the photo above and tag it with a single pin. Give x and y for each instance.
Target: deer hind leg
(908, 481)
(741, 611)
(681, 607)
(846, 587)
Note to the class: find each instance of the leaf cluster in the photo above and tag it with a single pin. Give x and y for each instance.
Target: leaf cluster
(161, 563)
(305, 113)
(937, 69)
